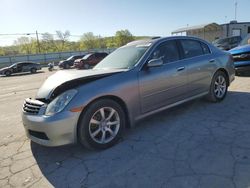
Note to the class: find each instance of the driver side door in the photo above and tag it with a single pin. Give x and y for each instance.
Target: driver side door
(166, 84)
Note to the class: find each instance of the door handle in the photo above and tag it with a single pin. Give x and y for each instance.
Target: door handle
(180, 68)
(211, 60)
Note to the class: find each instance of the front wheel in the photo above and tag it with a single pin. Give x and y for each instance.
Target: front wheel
(7, 73)
(86, 66)
(33, 70)
(101, 125)
(66, 66)
(218, 87)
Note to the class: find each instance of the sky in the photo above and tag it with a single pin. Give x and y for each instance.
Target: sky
(105, 17)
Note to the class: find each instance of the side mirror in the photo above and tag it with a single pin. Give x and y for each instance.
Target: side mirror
(155, 63)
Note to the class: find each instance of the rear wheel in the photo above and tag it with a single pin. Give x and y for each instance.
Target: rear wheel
(218, 87)
(101, 125)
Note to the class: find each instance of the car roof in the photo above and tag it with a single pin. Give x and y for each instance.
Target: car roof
(22, 62)
(25, 62)
(150, 41)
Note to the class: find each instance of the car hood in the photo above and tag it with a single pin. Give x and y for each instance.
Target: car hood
(67, 79)
(240, 49)
(62, 61)
(3, 69)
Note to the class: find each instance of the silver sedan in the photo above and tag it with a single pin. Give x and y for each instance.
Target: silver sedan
(139, 79)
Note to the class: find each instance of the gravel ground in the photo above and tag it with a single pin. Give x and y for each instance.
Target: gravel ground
(197, 144)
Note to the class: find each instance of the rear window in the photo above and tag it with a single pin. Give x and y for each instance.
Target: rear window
(101, 55)
(87, 56)
(191, 48)
(205, 48)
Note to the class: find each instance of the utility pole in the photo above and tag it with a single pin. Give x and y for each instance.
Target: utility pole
(38, 44)
(236, 4)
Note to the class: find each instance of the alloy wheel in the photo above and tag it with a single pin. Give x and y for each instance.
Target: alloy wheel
(220, 86)
(104, 125)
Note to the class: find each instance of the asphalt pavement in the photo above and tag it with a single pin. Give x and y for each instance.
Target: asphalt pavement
(195, 145)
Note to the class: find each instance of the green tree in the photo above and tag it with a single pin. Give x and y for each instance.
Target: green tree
(100, 42)
(63, 39)
(110, 42)
(122, 37)
(48, 43)
(2, 51)
(88, 41)
(26, 45)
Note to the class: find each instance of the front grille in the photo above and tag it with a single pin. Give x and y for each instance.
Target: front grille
(242, 57)
(40, 135)
(32, 106)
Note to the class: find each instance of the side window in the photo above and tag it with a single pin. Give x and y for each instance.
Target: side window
(91, 57)
(98, 55)
(205, 48)
(168, 51)
(103, 55)
(19, 66)
(191, 48)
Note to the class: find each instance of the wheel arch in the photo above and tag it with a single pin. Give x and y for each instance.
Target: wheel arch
(8, 70)
(112, 97)
(226, 73)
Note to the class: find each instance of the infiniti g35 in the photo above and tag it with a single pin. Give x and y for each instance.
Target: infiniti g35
(139, 79)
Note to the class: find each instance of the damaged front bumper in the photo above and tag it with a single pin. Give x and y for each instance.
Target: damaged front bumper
(59, 129)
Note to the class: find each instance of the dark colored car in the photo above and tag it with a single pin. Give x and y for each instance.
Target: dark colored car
(90, 60)
(20, 67)
(66, 64)
(241, 55)
(227, 43)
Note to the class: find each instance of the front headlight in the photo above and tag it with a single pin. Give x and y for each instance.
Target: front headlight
(60, 102)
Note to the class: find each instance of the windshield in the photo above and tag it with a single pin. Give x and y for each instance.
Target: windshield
(13, 65)
(123, 58)
(245, 41)
(220, 41)
(71, 57)
(86, 56)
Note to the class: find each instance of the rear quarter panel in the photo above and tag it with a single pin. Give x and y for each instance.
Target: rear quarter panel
(224, 60)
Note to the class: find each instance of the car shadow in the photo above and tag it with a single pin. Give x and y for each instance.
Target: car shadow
(75, 166)
(22, 74)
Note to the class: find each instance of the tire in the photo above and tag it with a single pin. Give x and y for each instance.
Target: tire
(92, 124)
(86, 66)
(66, 66)
(33, 70)
(7, 73)
(218, 87)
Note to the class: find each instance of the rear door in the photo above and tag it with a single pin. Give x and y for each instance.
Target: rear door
(200, 61)
(166, 84)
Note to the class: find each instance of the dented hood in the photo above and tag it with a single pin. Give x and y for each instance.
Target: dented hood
(71, 78)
